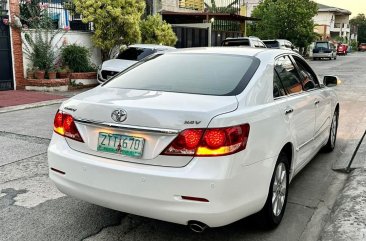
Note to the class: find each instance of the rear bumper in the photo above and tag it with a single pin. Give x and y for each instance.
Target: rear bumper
(322, 55)
(155, 192)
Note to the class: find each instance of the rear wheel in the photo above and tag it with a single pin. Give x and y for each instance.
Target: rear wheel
(332, 134)
(275, 205)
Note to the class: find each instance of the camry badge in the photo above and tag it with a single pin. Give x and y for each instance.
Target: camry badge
(119, 115)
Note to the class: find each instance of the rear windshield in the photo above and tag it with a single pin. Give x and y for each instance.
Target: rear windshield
(136, 54)
(323, 45)
(208, 74)
(272, 44)
(235, 42)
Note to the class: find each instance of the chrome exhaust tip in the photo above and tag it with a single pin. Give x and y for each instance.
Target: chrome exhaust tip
(197, 226)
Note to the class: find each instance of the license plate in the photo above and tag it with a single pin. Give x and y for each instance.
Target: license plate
(120, 144)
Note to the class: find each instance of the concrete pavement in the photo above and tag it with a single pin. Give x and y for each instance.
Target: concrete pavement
(348, 217)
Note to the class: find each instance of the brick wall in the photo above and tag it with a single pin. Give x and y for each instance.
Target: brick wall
(19, 79)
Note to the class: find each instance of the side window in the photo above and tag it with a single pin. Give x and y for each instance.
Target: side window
(288, 74)
(308, 78)
(278, 89)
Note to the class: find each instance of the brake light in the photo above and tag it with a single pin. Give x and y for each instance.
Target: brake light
(209, 142)
(65, 126)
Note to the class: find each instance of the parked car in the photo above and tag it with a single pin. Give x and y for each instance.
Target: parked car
(215, 137)
(362, 47)
(342, 49)
(280, 44)
(324, 49)
(243, 41)
(126, 58)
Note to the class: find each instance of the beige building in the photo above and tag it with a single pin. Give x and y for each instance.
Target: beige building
(250, 6)
(332, 22)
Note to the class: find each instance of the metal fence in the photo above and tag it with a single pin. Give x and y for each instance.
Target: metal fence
(61, 13)
(191, 37)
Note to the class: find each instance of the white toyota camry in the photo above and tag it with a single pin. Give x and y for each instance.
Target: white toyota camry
(200, 137)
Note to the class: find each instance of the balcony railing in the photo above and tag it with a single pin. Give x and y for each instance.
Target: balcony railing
(341, 25)
(59, 11)
(223, 6)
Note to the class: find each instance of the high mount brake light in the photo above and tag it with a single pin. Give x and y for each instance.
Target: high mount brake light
(209, 142)
(65, 126)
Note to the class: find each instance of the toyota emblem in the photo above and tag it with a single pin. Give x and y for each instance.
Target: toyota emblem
(119, 115)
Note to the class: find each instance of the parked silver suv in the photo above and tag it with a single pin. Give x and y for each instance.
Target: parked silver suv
(244, 41)
(324, 49)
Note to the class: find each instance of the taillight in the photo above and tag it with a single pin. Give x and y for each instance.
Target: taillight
(185, 143)
(209, 142)
(65, 126)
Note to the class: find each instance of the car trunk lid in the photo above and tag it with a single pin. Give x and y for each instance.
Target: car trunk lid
(155, 116)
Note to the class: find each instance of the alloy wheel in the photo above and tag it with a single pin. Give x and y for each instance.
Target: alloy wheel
(333, 130)
(279, 189)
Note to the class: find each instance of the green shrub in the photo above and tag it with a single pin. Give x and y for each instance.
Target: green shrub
(39, 49)
(154, 30)
(354, 45)
(77, 58)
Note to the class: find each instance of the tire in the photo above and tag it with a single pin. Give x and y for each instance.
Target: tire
(314, 58)
(274, 210)
(329, 147)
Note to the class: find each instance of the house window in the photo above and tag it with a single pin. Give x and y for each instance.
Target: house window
(3, 7)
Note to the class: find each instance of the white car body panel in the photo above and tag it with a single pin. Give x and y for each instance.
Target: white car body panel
(236, 185)
(117, 65)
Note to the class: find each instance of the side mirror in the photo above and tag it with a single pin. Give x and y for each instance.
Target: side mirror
(331, 81)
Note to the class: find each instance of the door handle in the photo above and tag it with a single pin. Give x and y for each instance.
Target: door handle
(316, 102)
(289, 111)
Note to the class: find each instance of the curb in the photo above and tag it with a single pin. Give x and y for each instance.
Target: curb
(32, 105)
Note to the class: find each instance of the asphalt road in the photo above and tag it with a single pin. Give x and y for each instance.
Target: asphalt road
(31, 208)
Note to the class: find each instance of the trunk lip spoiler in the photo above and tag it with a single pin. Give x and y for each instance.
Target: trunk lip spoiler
(128, 127)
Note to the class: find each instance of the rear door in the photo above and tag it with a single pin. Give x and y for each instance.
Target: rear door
(299, 108)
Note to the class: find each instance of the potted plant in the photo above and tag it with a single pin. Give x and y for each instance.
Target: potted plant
(63, 72)
(39, 74)
(30, 73)
(52, 73)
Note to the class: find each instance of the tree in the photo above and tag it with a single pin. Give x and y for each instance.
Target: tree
(360, 23)
(154, 30)
(116, 22)
(285, 19)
